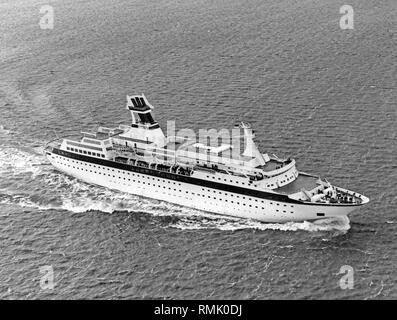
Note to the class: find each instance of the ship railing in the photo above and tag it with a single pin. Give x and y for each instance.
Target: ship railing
(145, 151)
(205, 169)
(86, 134)
(164, 155)
(121, 159)
(326, 193)
(123, 149)
(214, 165)
(160, 166)
(56, 143)
(347, 196)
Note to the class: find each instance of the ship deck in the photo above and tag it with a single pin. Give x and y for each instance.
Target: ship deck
(271, 165)
(304, 181)
(231, 153)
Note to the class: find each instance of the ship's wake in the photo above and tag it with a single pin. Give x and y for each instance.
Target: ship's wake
(205, 221)
(16, 162)
(48, 189)
(4, 131)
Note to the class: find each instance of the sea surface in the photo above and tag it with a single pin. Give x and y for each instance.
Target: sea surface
(322, 95)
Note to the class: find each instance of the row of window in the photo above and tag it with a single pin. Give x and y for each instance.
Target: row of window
(243, 197)
(287, 179)
(237, 182)
(100, 155)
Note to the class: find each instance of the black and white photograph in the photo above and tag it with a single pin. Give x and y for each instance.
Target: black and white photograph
(198, 150)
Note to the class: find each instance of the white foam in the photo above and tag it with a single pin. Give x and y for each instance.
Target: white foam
(332, 224)
(4, 131)
(76, 196)
(17, 162)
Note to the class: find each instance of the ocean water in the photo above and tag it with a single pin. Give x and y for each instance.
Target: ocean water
(325, 96)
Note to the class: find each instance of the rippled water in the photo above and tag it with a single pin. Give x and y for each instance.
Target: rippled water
(323, 95)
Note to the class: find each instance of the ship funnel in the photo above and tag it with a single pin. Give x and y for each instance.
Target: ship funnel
(138, 103)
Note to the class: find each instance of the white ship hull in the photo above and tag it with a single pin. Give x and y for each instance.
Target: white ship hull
(195, 196)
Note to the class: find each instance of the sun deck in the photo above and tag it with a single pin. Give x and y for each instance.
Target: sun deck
(229, 153)
(272, 165)
(303, 181)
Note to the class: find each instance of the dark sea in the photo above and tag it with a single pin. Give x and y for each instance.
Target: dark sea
(322, 95)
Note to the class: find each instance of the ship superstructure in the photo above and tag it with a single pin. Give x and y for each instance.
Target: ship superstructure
(139, 159)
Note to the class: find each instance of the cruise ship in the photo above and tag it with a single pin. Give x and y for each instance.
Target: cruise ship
(140, 159)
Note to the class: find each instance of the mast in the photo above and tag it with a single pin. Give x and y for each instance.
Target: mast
(251, 150)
